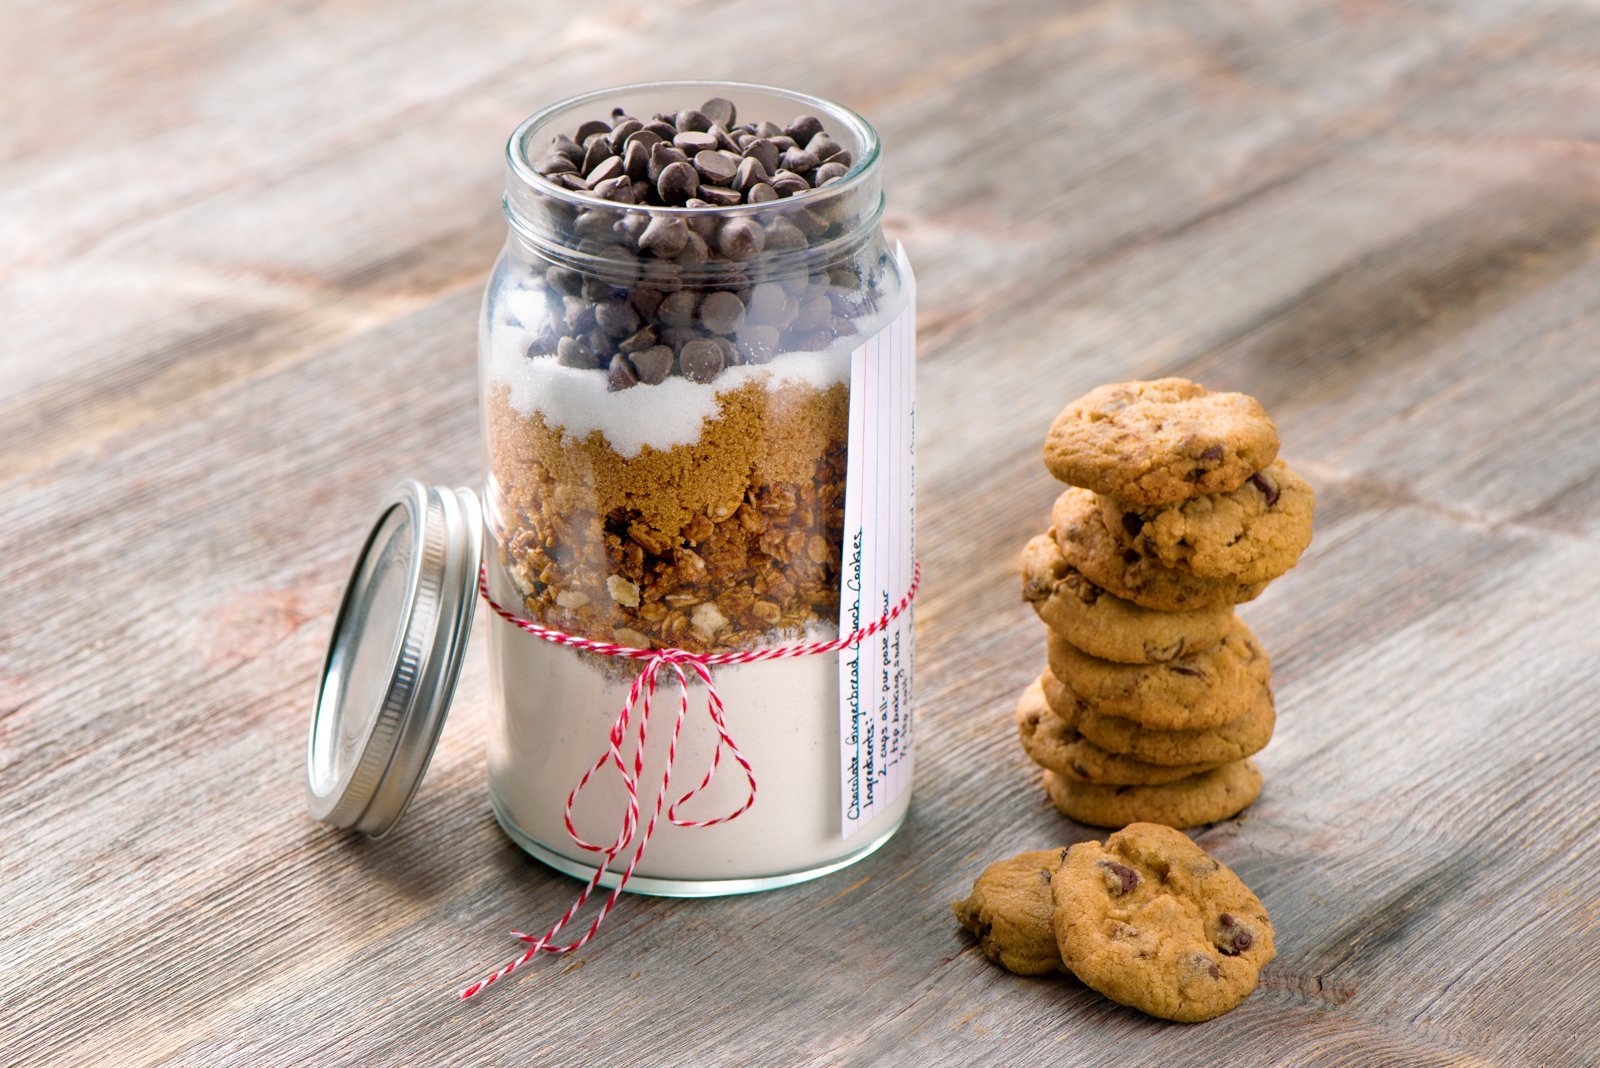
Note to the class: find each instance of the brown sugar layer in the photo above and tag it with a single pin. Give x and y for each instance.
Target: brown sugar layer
(722, 543)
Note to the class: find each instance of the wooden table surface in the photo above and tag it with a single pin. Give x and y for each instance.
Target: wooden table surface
(243, 251)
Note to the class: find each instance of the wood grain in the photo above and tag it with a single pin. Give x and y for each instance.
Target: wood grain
(243, 247)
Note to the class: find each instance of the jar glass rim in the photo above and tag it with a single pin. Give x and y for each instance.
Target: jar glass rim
(863, 131)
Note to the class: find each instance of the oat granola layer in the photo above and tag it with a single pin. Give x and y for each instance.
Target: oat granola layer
(728, 542)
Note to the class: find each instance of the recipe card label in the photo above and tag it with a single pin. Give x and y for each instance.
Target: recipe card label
(880, 515)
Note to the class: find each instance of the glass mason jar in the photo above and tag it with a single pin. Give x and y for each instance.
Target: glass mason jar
(672, 398)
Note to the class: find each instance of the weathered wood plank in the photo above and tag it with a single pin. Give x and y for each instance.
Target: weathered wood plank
(1381, 219)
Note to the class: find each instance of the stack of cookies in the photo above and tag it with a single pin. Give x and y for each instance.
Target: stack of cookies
(1157, 693)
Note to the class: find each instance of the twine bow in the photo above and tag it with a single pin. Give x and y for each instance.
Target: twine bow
(681, 663)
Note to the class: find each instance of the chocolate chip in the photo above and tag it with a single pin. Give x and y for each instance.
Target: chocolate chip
(645, 138)
(830, 171)
(812, 225)
(663, 130)
(691, 120)
(787, 183)
(679, 336)
(720, 111)
(555, 163)
(677, 309)
(1235, 937)
(767, 303)
(1132, 523)
(619, 266)
(1130, 557)
(660, 278)
(804, 128)
(619, 133)
(653, 365)
(1212, 455)
(1202, 963)
(720, 195)
(590, 128)
(810, 340)
(749, 172)
(639, 340)
(678, 182)
(636, 160)
(594, 223)
(824, 148)
(692, 141)
(763, 151)
(573, 181)
(722, 313)
(700, 360)
(815, 312)
(783, 234)
(1120, 879)
(759, 193)
(740, 239)
(695, 253)
(597, 153)
(618, 189)
(716, 167)
(618, 320)
(563, 145)
(1268, 490)
(604, 170)
(564, 280)
(799, 160)
(661, 156)
(578, 314)
(621, 374)
(767, 128)
(596, 290)
(757, 343)
(665, 235)
(574, 353)
(704, 225)
(1186, 669)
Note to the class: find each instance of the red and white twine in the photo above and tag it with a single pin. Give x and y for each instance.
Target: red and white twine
(681, 663)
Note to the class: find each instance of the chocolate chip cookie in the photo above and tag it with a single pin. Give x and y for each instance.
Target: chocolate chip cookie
(1009, 912)
(1151, 921)
(1103, 624)
(1253, 534)
(1159, 441)
(1215, 795)
(1194, 692)
(1244, 737)
(1066, 704)
(1088, 545)
(1053, 744)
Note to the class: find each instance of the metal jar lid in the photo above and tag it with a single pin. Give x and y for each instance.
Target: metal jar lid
(394, 657)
